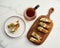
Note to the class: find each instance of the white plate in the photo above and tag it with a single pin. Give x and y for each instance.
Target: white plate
(19, 31)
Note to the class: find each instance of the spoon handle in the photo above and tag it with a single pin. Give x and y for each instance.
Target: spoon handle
(36, 7)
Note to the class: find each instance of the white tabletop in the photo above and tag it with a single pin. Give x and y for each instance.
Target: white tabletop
(18, 6)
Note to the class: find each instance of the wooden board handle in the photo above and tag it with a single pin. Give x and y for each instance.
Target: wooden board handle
(51, 10)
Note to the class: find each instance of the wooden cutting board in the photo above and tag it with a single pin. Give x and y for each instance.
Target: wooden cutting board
(42, 35)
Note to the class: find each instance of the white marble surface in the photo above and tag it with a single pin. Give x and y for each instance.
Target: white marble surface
(18, 6)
